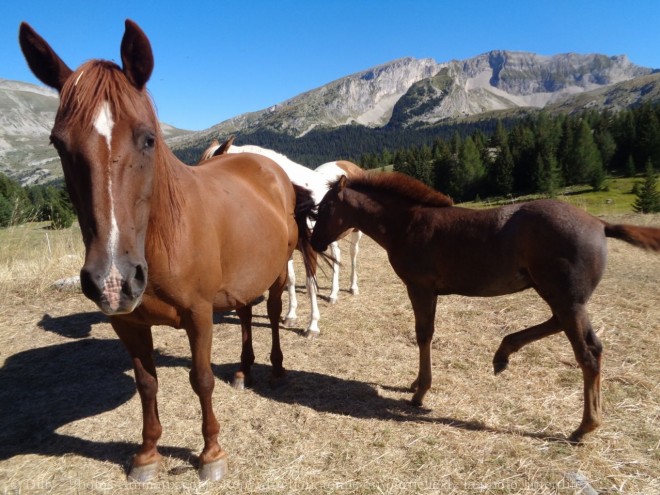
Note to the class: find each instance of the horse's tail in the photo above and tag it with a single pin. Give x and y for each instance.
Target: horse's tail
(305, 214)
(643, 237)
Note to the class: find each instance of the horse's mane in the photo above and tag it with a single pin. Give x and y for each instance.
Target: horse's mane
(400, 185)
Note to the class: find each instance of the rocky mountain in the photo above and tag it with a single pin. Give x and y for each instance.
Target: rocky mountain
(27, 113)
(411, 91)
(402, 94)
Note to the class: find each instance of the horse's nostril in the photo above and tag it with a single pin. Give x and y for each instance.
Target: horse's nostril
(140, 275)
(135, 286)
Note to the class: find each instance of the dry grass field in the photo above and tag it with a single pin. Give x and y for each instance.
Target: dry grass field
(70, 417)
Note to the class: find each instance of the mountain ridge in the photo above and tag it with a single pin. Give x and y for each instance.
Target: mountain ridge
(401, 94)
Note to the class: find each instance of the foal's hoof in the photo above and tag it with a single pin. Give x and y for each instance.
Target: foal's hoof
(500, 366)
(333, 299)
(142, 474)
(213, 471)
(312, 334)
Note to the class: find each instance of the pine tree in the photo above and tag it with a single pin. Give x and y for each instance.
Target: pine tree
(648, 197)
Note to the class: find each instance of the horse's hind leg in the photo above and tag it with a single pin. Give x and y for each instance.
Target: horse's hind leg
(243, 377)
(516, 341)
(274, 309)
(588, 353)
(312, 290)
(139, 342)
(291, 316)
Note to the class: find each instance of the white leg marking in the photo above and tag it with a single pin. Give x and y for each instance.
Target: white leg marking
(336, 254)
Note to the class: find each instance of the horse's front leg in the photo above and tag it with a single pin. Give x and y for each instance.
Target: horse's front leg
(212, 460)
(335, 252)
(139, 343)
(424, 303)
(356, 235)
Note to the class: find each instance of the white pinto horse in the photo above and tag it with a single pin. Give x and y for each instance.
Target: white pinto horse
(317, 182)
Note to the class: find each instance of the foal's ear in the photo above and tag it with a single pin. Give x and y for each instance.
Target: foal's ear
(42, 59)
(136, 55)
(341, 183)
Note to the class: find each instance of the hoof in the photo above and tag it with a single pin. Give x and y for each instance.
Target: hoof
(142, 474)
(333, 299)
(312, 334)
(240, 381)
(213, 471)
(289, 322)
(355, 291)
(500, 366)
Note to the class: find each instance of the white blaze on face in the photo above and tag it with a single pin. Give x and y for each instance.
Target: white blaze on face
(103, 123)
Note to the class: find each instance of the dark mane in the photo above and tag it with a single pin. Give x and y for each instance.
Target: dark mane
(401, 185)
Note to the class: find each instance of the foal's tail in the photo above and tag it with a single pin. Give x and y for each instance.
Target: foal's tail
(643, 237)
(305, 213)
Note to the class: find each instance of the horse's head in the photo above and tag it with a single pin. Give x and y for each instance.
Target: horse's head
(330, 223)
(107, 136)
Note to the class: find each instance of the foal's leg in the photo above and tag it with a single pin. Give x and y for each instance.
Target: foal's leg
(291, 316)
(516, 341)
(243, 377)
(356, 235)
(336, 262)
(212, 460)
(588, 352)
(274, 309)
(139, 342)
(424, 303)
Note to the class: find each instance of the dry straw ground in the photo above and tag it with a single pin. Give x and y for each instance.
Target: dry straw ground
(70, 418)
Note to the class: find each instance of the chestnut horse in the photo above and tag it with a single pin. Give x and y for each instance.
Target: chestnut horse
(316, 181)
(166, 244)
(436, 249)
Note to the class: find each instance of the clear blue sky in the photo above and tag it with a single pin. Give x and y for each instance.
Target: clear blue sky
(218, 59)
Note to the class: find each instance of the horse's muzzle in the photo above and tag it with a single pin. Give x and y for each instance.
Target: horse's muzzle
(117, 290)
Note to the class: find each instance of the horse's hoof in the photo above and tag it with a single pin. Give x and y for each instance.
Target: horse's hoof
(289, 322)
(213, 471)
(142, 474)
(312, 334)
(241, 381)
(576, 437)
(355, 291)
(333, 299)
(500, 366)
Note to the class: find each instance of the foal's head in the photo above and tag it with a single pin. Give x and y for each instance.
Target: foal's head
(330, 223)
(106, 133)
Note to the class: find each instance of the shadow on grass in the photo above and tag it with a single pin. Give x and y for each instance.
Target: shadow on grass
(330, 394)
(46, 388)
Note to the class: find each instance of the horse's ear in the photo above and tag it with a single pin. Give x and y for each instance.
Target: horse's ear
(341, 183)
(224, 147)
(136, 55)
(42, 59)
